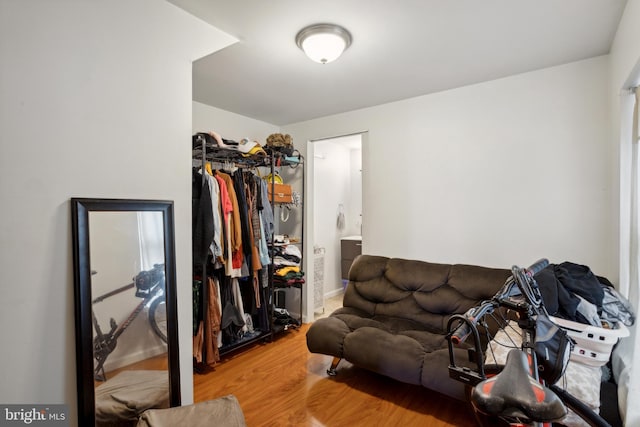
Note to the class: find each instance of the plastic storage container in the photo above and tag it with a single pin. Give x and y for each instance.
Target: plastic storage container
(593, 345)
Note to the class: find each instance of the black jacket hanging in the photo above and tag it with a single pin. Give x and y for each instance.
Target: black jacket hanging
(201, 218)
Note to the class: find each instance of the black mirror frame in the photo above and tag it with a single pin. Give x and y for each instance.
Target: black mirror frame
(80, 208)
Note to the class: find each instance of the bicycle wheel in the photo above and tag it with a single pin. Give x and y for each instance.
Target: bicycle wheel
(158, 317)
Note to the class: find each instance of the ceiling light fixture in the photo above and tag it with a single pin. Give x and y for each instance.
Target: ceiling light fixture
(323, 43)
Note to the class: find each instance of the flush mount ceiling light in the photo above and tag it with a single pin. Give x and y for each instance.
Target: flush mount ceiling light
(323, 43)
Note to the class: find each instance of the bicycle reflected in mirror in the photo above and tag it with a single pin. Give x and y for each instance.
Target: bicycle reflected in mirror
(150, 288)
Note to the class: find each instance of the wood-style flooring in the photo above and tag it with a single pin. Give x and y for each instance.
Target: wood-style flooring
(281, 384)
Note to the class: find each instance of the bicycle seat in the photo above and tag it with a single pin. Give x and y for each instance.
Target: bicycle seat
(513, 393)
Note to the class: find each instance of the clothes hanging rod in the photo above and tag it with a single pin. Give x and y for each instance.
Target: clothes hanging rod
(231, 157)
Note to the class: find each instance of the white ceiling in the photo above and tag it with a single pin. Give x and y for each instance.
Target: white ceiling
(400, 49)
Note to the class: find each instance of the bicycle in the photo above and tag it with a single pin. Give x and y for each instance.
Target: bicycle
(150, 287)
(511, 394)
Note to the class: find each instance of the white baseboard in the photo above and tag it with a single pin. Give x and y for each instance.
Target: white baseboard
(334, 293)
(130, 358)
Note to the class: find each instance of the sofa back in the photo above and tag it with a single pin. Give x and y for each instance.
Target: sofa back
(419, 291)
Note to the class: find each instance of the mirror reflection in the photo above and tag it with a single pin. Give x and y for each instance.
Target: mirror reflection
(126, 322)
(128, 288)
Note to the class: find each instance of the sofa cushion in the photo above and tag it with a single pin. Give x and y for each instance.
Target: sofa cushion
(394, 355)
(221, 412)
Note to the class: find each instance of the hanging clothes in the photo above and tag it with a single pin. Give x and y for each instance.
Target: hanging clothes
(237, 298)
(239, 254)
(214, 190)
(232, 319)
(201, 217)
(266, 221)
(233, 223)
(233, 262)
(267, 211)
(207, 333)
(238, 185)
(215, 319)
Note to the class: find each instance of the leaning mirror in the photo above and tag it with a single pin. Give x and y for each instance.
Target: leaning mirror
(125, 309)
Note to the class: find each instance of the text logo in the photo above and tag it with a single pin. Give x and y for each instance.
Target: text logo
(36, 415)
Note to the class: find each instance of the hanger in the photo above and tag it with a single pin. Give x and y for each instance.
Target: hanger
(229, 166)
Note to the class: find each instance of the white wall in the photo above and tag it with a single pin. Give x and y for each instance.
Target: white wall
(230, 125)
(354, 216)
(625, 73)
(95, 101)
(497, 173)
(624, 62)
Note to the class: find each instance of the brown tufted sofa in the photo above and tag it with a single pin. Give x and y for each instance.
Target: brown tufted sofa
(394, 318)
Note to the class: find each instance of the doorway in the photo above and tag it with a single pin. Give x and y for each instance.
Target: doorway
(337, 207)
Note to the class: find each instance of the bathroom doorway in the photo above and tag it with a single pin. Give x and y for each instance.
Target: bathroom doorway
(337, 204)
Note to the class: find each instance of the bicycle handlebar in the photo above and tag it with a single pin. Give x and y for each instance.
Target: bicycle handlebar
(463, 331)
(469, 320)
(536, 267)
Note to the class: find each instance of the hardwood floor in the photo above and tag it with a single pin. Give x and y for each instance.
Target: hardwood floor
(157, 363)
(282, 384)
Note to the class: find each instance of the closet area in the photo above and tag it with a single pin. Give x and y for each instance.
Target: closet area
(244, 266)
